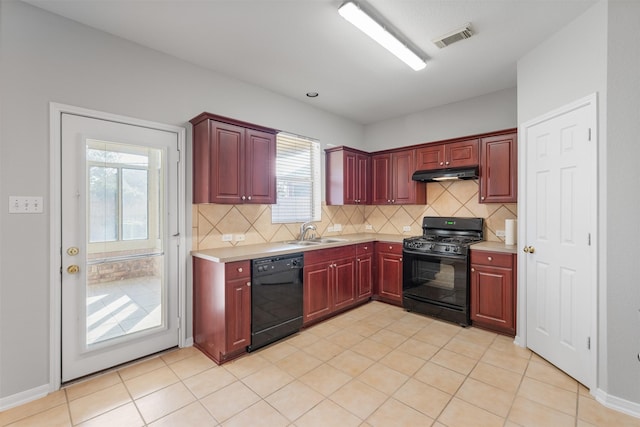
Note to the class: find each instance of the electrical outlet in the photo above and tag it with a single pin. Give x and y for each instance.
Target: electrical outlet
(239, 237)
(330, 228)
(406, 228)
(337, 227)
(500, 233)
(368, 227)
(25, 204)
(227, 237)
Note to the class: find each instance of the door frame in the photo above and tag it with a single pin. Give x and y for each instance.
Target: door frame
(591, 102)
(55, 226)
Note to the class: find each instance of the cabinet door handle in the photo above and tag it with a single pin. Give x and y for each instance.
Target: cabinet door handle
(249, 198)
(473, 269)
(441, 163)
(482, 198)
(243, 198)
(239, 269)
(489, 258)
(390, 248)
(388, 200)
(248, 283)
(400, 258)
(446, 163)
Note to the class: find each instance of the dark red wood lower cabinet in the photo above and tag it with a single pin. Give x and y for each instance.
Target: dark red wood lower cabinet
(493, 291)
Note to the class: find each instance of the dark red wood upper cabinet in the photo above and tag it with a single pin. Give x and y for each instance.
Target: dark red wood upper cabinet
(381, 179)
(348, 180)
(499, 169)
(448, 155)
(391, 179)
(233, 161)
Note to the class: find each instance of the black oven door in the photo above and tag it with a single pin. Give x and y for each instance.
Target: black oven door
(439, 281)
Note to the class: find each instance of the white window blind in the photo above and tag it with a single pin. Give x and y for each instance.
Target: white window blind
(297, 180)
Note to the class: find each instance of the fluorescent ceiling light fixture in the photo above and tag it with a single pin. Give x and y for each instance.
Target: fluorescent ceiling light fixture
(365, 23)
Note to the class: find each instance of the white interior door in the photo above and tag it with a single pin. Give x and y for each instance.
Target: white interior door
(119, 203)
(559, 258)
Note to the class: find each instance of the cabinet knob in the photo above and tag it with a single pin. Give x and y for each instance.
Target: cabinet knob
(358, 259)
(240, 270)
(482, 198)
(393, 200)
(473, 269)
(489, 258)
(388, 200)
(242, 198)
(249, 198)
(390, 247)
(366, 248)
(446, 163)
(400, 258)
(248, 283)
(441, 163)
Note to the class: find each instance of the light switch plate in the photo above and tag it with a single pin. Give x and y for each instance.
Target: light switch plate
(337, 227)
(406, 228)
(499, 233)
(25, 204)
(368, 227)
(227, 237)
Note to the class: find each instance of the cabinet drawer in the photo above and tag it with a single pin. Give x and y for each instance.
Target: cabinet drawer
(496, 259)
(389, 247)
(364, 248)
(237, 270)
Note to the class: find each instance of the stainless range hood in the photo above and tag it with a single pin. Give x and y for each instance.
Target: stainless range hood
(446, 174)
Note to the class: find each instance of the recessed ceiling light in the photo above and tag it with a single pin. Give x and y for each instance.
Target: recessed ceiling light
(312, 94)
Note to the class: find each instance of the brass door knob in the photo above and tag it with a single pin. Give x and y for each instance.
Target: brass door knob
(73, 269)
(529, 249)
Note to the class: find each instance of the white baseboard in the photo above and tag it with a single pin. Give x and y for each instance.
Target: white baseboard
(24, 397)
(188, 342)
(617, 403)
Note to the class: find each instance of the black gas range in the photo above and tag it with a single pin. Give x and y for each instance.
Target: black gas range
(436, 267)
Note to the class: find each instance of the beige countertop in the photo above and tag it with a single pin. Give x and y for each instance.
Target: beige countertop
(246, 252)
(495, 247)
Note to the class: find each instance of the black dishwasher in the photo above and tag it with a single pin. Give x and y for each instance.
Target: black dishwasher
(276, 298)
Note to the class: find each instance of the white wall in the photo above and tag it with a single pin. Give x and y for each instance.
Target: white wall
(599, 52)
(623, 200)
(487, 113)
(48, 58)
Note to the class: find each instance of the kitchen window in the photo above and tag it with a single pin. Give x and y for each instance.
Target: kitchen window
(297, 180)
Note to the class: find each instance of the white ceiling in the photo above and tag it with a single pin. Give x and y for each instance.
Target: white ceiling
(296, 46)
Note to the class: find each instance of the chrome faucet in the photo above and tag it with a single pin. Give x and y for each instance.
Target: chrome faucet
(304, 228)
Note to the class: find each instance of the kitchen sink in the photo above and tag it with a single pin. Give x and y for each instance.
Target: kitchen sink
(327, 240)
(316, 241)
(303, 242)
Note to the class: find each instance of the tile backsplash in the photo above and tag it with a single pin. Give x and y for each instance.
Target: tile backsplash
(459, 198)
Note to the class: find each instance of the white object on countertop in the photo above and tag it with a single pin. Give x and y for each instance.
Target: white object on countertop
(510, 231)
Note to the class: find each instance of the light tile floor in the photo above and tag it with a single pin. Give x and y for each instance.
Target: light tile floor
(376, 365)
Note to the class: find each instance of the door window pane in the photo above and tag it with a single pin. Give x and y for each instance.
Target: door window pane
(103, 204)
(135, 213)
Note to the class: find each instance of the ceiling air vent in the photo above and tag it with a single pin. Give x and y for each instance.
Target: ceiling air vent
(454, 36)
